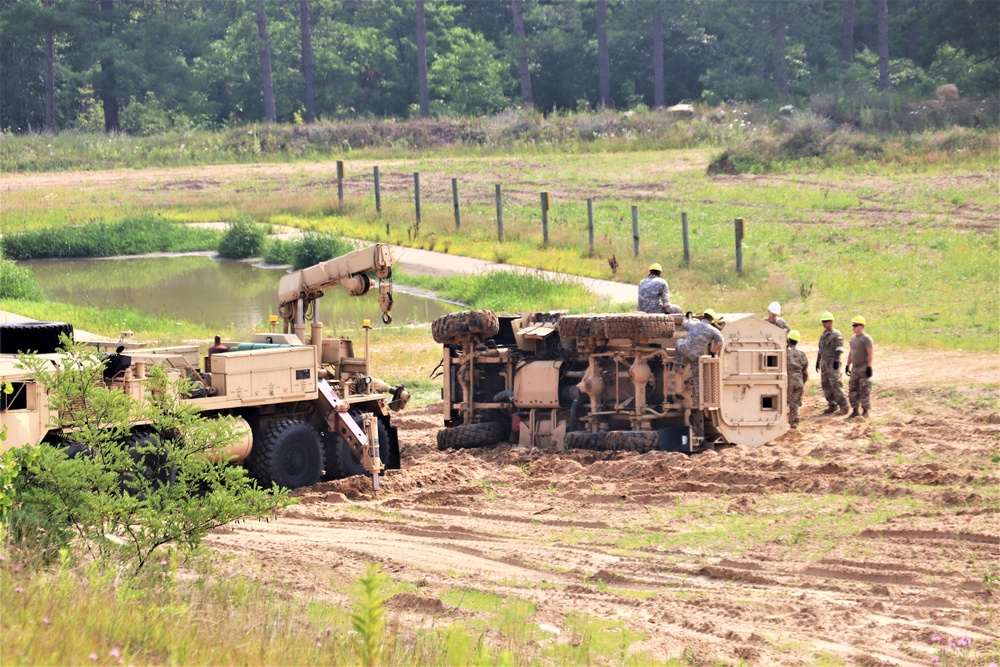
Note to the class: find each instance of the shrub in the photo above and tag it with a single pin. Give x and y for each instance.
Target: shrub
(316, 247)
(278, 251)
(131, 489)
(16, 282)
(244, 238)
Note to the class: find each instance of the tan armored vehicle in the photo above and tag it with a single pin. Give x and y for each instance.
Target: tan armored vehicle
(308, 405)
(607, 382)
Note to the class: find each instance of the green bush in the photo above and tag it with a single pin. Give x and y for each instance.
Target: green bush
(316, 247)
(130, 236)
(278, 251)
(144, 477)
(16, 282)
(244, 238)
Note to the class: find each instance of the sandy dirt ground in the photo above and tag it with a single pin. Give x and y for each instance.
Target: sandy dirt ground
(811, 567)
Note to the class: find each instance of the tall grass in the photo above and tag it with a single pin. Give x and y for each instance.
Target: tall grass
(16, 282)
(134, 235)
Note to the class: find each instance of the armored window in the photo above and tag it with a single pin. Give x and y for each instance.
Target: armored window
(771, 362)
(17, 399)
(768, 402)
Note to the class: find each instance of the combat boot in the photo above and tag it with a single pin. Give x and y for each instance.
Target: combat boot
(864, 413)
(843, 410)
(830, 409)
(854, 413)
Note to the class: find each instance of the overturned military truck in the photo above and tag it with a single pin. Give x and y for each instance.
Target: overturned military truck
(607, 382)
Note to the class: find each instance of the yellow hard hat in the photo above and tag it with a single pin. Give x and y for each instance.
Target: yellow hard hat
(710, 313)
(793, 335)
(655, 266)
(860, 320)
(826, 316)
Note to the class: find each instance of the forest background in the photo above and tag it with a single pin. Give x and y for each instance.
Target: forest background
(150, 66)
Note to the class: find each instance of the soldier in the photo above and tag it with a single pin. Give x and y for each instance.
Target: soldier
(772, 316)
(831, 345)
(798, 374)
(700, 335)
(859, 368)
(654, 293)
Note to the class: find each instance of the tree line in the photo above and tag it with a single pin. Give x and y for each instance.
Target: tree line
(147, 66)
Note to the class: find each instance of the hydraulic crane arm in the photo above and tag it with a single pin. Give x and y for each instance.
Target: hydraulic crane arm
(299, 291)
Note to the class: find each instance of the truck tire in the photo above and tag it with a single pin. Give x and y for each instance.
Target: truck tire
(582, 326)
(340, 460)
(640, 325)
(632, 441)
(41, 337)
(451, 328)
(585, 440)
(152, 461)
(467, 436)
(287, 453)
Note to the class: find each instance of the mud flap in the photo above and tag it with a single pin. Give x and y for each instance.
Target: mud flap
(393, 462)
(675, 439)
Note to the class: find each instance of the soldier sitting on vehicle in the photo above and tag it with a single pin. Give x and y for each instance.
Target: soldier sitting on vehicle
(654, 293)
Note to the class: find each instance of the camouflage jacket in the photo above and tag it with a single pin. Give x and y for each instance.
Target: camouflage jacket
(700, 334)
(654, 294)
(781, 324)
(798, 366)
(831, 344)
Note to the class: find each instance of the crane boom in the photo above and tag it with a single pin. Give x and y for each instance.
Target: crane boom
(299, 291)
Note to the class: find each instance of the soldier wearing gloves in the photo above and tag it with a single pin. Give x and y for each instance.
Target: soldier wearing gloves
(859, 369)
(702, 337)
(831, 345)
(798, 374)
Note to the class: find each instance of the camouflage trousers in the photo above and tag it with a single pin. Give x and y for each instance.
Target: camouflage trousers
(794, 401)
(833, 386)
(860, 388)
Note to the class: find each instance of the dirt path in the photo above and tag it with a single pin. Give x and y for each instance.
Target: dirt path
(848, 542)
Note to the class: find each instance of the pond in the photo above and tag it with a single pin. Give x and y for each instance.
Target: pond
(214, 293)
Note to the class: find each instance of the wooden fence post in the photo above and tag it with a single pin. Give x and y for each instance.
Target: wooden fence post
(687, 245)
(739, 245)
(590, 224)
(545, 218)
(416, 200)
(378, 193)
(635, 230)
(340, 182)
(454, 199)
(499, 214)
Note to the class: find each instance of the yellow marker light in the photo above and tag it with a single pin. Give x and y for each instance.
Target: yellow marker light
(367, 324)
(273, 319)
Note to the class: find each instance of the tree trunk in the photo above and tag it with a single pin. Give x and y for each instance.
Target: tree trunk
(50, 78)
(883, 44)
(522, 54)
(425, 98)
(658, 82)
(603, 59)
(847, 45)
(109, 98)
(307, 61)
(270, 114)
(913, 34)
(778, 29)
(758, 49)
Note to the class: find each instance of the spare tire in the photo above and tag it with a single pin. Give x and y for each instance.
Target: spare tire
(639, 325)
(466, 436)
(451, 328)
(40, 337)
(582, 326)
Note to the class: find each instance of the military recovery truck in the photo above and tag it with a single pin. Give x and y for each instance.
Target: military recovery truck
(607, 382)
(308, 406)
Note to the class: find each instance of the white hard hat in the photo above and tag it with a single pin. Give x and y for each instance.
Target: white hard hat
(775, 308)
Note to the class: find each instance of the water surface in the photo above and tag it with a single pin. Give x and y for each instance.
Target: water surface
(218, 294)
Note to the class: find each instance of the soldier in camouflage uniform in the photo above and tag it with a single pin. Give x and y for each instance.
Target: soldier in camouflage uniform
(798, 374)
(859, 368)
(772, 316)
(654, 293)
(702, 337)
(831, 345)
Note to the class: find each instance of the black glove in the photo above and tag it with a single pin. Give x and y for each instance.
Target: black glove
(687, 315)
(868, 372)
(847, 369)
(836, 365)
(817, 364)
